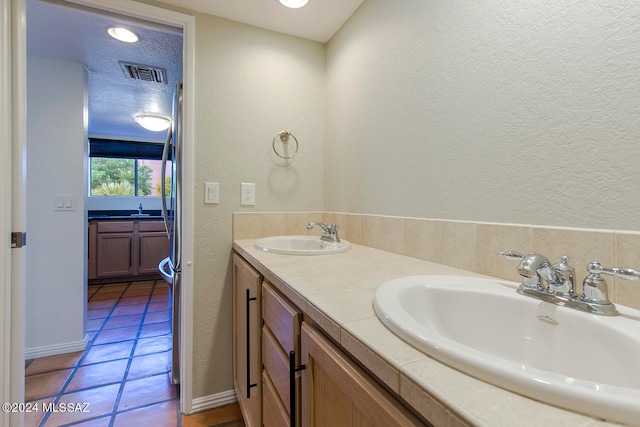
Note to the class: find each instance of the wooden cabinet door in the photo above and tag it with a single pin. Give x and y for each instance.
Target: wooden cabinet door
(247, 362)
(92, 263)
(337, 393)
(153, 247)
(115, 254)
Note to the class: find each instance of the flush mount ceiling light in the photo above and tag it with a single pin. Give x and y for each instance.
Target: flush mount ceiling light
(123, 35)
(153, 123)
(294, 4)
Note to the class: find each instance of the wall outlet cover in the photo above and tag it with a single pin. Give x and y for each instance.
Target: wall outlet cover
(248, 194)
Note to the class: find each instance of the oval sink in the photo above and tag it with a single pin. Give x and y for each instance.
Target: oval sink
(564, 357)
(301, 245)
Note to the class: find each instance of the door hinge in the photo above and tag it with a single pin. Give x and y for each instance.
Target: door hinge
(18, 239)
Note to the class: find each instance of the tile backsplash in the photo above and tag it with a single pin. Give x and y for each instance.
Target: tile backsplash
(472, 246)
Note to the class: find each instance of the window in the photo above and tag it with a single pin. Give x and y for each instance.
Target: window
(126, 168)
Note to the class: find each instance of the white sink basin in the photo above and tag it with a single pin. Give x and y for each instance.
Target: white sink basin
(578, 361)
(301, 245)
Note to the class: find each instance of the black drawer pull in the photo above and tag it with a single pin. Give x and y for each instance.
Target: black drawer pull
(292, 386)
(249, 385)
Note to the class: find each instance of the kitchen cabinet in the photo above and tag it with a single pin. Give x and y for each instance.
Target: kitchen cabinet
(114, 249)
(336, 392)
(247, 320)
(126, 249)
(153, 246)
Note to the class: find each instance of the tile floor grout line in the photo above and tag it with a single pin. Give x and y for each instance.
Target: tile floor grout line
(130, 359)
(114, 413)
(88, 347)
(58, 396)
(133, 350)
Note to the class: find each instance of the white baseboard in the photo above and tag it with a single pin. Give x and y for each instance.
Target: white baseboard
(213, 401)
(55, 349)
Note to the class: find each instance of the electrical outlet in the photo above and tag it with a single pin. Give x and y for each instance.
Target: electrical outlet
(248, 194)
(211, 192)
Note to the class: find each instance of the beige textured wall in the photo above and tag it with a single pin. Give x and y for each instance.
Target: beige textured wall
(251, 84)
(515, 112)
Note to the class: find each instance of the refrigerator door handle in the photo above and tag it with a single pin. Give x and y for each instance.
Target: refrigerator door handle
(177, 161)
(163, 180)
(167, 273)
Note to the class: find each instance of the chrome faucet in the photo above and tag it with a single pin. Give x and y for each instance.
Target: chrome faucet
(559, 278)
(329, 232)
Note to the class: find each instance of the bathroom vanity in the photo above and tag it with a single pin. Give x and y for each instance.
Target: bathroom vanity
(322, 306)
(288, 372)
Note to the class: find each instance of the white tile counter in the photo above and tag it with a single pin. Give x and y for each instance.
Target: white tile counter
(337, 292)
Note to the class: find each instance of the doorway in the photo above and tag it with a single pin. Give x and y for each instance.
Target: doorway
(157, 16)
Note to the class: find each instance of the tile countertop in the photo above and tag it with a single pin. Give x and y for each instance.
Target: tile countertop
(337, 292)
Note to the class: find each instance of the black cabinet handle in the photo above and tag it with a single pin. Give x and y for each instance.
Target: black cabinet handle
(292, 386)
(249, 385)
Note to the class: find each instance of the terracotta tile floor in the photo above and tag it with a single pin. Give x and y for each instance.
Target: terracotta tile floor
(123, 373)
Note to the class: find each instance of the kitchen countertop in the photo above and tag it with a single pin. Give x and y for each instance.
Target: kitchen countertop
(337, 292)
(122, 215)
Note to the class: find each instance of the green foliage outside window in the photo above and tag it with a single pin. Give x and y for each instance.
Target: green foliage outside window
(167, 187)
(116, 177)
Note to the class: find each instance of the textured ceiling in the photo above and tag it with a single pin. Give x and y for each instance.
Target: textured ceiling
(318, 20)
(79, 35)
(68, 32)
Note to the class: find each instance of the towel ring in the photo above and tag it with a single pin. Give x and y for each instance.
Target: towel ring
(284, 137)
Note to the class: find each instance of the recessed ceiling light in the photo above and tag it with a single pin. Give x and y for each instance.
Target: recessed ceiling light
(123, 35)
(294, 4)
(153, 123)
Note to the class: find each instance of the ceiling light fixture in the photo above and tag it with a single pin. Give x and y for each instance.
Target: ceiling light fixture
(294, 4)
(123, 35)
(153, 123)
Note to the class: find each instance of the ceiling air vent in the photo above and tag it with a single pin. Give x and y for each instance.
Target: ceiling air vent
(143, 72)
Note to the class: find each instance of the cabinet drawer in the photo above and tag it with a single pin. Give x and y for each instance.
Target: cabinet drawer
(115, 226)
(273, 413)
(151, 226)
(276, 364)
(282, 319)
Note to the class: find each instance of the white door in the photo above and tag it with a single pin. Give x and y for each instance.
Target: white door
(12, 139)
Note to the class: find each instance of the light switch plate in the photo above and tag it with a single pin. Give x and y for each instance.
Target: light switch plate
(211, 192)
(64, 202)
(248, 194)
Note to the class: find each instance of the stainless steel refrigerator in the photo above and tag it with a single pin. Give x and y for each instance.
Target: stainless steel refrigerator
(171, 267)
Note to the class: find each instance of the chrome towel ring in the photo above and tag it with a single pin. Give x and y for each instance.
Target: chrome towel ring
(284, 137)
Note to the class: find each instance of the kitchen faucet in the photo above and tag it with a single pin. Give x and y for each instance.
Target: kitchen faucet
(329, 232)
(554, 283)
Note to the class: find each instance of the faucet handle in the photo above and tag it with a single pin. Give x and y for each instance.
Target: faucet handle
(594, 287)
(595, 267)
(512, 255)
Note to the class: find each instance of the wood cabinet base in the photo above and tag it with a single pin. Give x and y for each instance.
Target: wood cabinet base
(337, 393)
